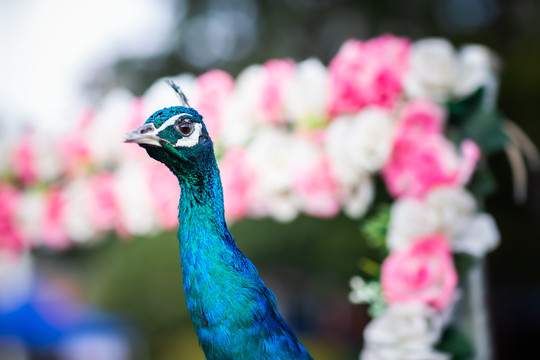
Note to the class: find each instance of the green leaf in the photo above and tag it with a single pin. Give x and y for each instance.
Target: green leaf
(482, 183)
(460, 110)
(369, 267)
(484, 127)
(456, 343)
(375, 227)
(311, 122)
(470, 119)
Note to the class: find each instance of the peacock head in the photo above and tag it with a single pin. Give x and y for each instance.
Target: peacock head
(177, 137)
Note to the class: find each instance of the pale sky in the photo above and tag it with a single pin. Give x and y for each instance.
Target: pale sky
(49, 48)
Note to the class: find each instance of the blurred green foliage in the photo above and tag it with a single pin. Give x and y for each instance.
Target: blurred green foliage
(455, 342)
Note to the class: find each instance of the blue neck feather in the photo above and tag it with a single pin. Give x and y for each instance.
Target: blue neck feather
(234, 314)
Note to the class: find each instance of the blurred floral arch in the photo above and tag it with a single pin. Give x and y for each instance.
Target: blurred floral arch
(298, 138)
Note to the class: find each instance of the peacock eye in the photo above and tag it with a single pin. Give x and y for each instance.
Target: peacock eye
(185, 128)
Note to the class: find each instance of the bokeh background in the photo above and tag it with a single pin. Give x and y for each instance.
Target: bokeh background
(58, 57)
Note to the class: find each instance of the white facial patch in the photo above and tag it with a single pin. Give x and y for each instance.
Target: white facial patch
(192, 139)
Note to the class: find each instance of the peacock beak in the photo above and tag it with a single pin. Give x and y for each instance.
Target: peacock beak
(145, 134)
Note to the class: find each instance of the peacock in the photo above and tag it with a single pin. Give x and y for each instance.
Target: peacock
(234, 314)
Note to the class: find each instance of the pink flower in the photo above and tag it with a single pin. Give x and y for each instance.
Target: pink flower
(422, 273)
(317, 189)
(11, 238)
(164, 189)
(24, 162)
(471, 154)
(103, 205)
(73, 150)
(368, 73)
(277, 74)
(214, 90)
(422, 158)
(314, 182)
(237, 178)
(420, 118)
(54, 234)
(73, 153)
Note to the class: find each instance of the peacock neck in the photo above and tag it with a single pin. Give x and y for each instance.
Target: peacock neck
(201, 214)
(201, 201)
(208, 253)
(234, 314)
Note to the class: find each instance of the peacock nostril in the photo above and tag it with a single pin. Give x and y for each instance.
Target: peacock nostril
(146, 130)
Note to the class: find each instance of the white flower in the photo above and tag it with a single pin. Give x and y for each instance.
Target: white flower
(34, 151)
(283, 207)
(134, 198)
(352, 155)
(437, 72)
(336, 150)
(409, 220)
(313, 184)
(447, 210)
(306, 95)
(453, 207)
(370, 139)
(271, 155)
(359, 144)
(76, 220)
(433, 70)
(106, 131)
(444, 210)
(477, 68)
(241, 115)
(47, 163)
(30, 214)
(479, 236)
(367, 293)
(469, 232)
(357, 198)
(362, 292)
(405, 331)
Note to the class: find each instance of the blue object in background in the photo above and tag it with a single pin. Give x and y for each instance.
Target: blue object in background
(43, 319)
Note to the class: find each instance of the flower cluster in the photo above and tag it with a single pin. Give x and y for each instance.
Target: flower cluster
(290, 138)
(433, 215)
